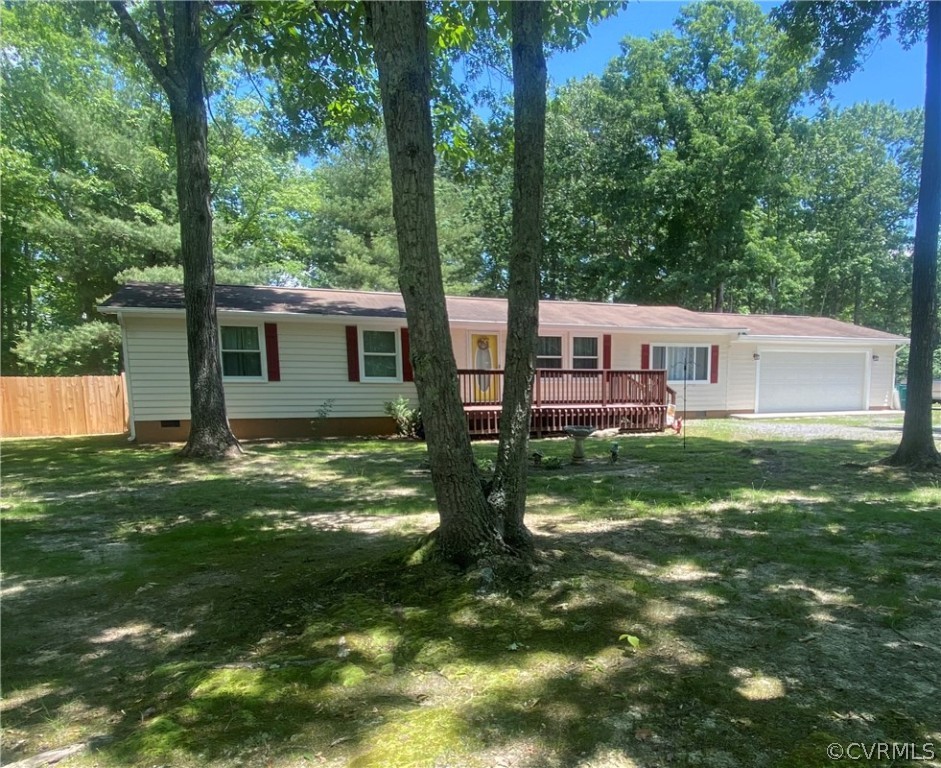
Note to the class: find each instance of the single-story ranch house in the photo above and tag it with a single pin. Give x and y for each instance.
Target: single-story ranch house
(302, 361)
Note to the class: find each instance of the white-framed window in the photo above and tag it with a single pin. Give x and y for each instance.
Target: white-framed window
(682, 363)
(585, 352)
(243, 353)
(380, 355)
(549, 352)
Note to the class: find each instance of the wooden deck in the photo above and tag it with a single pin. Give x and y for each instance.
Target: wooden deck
(632, 401)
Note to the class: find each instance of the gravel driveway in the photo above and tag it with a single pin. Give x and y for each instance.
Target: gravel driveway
(884, 429)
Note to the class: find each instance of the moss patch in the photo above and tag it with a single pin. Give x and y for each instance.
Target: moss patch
(785, 593)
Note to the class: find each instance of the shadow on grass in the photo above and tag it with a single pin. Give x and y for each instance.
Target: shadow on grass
(784, 596)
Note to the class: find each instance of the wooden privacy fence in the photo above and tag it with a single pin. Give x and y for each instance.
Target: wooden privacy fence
(58, 406)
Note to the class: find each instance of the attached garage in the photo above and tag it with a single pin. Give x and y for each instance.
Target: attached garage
(819, 380)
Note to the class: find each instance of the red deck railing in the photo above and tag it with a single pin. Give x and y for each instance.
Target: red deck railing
(570, 386)
(631, 400)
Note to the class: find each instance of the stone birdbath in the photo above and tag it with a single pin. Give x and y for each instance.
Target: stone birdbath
(578, 434)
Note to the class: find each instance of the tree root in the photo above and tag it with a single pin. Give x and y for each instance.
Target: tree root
(498, 568)
(916, 461)
(209, 450)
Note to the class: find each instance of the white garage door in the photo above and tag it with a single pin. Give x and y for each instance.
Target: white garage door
(811, 381)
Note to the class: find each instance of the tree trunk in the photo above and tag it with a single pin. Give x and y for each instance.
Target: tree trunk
(210, 435)
(917, 448)
(508, 493)
(718, 303)
(858, 301)
(468, 527)
(29, 308)
(182, 80)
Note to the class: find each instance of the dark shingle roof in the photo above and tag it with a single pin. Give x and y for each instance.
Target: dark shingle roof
(250, 298)
(469, 309)
(800, 325)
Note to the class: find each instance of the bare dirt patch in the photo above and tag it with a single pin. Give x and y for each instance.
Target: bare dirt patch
(745, 602)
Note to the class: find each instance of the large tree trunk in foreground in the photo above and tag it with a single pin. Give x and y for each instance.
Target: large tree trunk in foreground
(182, 80)
(469, 527)
(917, 448)
(508, 494)
(210, 434)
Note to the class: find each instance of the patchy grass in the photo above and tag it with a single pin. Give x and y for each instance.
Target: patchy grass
(783, 590)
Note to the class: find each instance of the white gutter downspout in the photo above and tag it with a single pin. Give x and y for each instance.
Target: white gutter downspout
(127, 381)
(896, 397)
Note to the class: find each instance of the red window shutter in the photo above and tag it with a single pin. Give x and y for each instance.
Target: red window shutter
(714, 365)
(606, 351)
(352, 352)
(645, 356)
(407, 373)
(271, 352)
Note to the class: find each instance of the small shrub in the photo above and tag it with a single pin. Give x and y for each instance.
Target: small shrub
(407, 419)
(486, 466)
(319, 423)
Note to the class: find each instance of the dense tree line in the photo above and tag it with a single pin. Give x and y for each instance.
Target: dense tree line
(86, 187)
(838, 35)
(686, 174)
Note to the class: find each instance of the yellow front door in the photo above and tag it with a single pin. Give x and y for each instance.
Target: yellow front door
(484, 358)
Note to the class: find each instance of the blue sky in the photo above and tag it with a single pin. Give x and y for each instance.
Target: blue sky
(890, 73)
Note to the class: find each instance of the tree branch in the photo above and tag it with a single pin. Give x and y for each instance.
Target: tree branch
(164, 31)
(258, 93)
(163, 74)
(245, 11)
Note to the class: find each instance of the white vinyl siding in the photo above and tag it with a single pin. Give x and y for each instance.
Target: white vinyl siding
(742, 368)
(695, 396)
(313, 372)
(158, 369)
(460, 344)
(882, 377)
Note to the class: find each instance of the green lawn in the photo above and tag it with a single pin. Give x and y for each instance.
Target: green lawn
(784, 592)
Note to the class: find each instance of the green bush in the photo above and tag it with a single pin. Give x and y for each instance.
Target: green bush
(486, 466)
(90, 349)
(407, 419)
